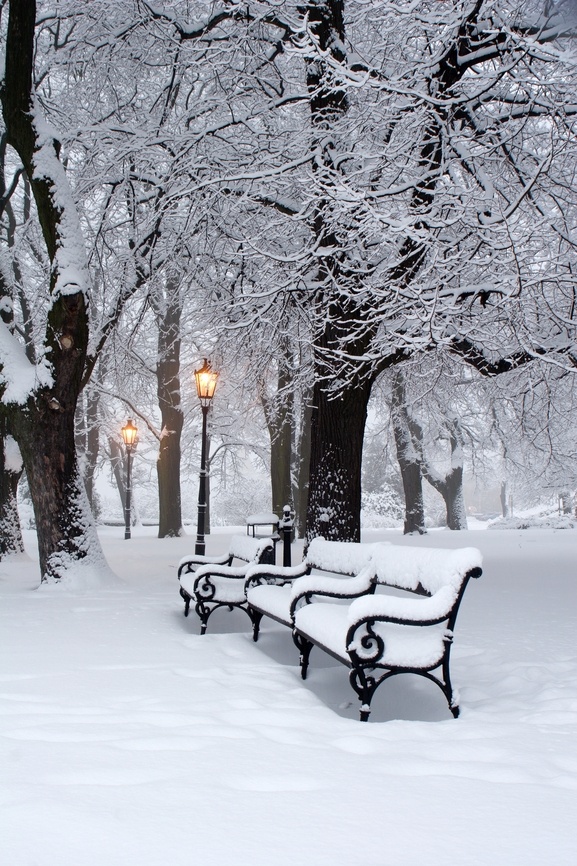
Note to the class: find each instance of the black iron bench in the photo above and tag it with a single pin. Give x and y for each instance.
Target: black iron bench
(213, 582)
(268, 588)
(381, 635)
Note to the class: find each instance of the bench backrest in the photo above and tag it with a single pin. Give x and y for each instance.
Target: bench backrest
(254, 550)
(339, 557)
(424, 570)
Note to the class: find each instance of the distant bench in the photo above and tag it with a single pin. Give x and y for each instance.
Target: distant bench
(376, 635)
(212, 582)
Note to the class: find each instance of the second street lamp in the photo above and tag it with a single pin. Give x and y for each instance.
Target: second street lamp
(205, 386)
(130, 438)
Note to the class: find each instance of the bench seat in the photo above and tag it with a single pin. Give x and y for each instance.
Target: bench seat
(269, 590)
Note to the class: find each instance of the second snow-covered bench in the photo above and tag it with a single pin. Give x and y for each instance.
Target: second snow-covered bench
(213, 582)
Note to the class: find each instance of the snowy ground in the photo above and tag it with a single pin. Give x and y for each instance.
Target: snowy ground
(128, 739)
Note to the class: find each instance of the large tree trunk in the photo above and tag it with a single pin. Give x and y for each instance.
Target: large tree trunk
(450, 486)
(409, 459)
(280, 468)
(63, 521)
(338, 418)
(454, 500)
(168, 312)
(279, 412)
(338, 426)
(10, 459)
(44, 426)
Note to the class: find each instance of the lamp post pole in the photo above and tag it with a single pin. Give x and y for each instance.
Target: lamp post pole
(205, 386)
(201, 525)
(127, 498)
(129, 435)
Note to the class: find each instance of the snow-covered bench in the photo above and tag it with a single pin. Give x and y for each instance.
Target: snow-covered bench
(380, 635)
(212, 582)
(268, 588)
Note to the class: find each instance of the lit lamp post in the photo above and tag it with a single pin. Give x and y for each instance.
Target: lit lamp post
(129, 435)
(205, 387)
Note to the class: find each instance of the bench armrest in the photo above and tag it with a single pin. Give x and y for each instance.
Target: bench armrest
(191, 562)
(234, 572)
(331, 587)
(405, 611)
(257, 575)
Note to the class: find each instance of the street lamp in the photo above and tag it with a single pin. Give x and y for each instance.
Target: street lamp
(205, 386)
(129, 435)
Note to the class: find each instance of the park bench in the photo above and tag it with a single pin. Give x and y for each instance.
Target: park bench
(213, 582)
(268, 587)
(380, 635)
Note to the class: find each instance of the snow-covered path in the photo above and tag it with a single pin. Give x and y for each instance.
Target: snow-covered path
(128, 739)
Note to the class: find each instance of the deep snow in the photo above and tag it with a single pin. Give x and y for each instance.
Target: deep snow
(128, 739)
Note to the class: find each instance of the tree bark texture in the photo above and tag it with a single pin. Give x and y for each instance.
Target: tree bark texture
(44, 427)
(11, 540)
(88, 442)
(65, 530)
(168, 392)
(302, 468)
(338, 419)
(279, 413)
(409, 463)
(338, 426)
(450, 486)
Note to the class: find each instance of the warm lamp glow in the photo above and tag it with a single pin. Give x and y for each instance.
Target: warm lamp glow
(205, 383)
(129, 434)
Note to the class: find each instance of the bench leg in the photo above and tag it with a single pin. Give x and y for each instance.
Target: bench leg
(304, 647)
(186, 598)
(365, 686)
(448, 688)
(255, 618)
(203, 614)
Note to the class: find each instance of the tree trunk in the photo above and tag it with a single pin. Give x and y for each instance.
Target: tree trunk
(566, 499)
(338, 426)
(10, 472)
(279, 412)
(408, 457)
(10, 460)
(44, 426)
(117, 463)
(339, 417)
(88, 442)
(454, 501)
(303, 460)
(451, 485)
(64, 525)
(280, 467)
(504, 499)
(168, 391)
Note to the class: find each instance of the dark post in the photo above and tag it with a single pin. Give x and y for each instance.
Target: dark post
(286, 527)
(205, 386)
(127, 496)
(200, 545)
(130, 438)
